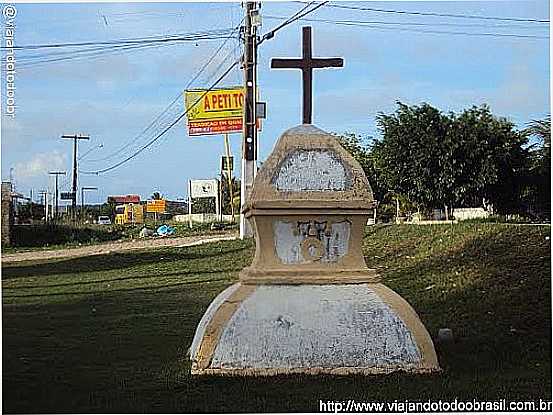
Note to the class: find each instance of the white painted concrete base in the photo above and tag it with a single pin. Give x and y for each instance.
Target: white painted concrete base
(348, 328)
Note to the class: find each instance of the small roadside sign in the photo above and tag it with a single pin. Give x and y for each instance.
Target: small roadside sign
(155, 206)
(227, 163)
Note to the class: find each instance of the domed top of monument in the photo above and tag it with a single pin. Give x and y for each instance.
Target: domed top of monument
(308, 168)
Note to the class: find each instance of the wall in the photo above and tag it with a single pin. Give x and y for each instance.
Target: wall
(204, 218)
(7, 213)
(470, 213)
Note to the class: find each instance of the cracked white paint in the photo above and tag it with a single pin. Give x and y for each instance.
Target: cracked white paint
(312, 170)
(208, 315)
(307, 326)
(288, 238)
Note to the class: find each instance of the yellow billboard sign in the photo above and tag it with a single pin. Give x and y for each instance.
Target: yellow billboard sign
(157, 206)
(217, 104)
(219, 111)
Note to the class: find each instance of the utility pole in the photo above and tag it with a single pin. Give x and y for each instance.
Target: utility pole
(75, 138)
(44, 201)
(249, 145)
(56, 173)
(229, 177)
(82, 199)
(12, 179)
(31, 205)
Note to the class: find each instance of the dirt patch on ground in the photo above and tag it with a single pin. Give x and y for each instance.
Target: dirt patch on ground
(117, 246)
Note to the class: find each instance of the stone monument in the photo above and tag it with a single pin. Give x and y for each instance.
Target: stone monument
(308, 303)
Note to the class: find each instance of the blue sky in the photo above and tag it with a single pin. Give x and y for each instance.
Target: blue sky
(114, 97)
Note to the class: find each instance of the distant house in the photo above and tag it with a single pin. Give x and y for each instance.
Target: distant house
(124, 199)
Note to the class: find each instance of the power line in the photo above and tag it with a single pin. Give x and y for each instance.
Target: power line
(114, 46)
(157, 13)
(223, 61)
(441, 32)
(94, 49)
(126, 41)
(95, 53)
(210, 77)
(138, 136)
(162, 133)
(213, 56)
(463, 16)
(166, 110)
(298, 15)
(382, 22)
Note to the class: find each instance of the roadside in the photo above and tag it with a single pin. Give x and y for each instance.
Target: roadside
(117, 246)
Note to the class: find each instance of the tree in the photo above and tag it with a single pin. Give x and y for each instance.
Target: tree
(156, 196)
(360, 149)
(492, 154)
(406, 155)
(438, 160)
(28, 212)
(226, 196)
(541, 129)
(537, 186)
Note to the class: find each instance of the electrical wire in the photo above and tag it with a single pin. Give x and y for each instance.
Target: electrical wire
(93, 55)
(166, 129)
(382, 22)
(148, 39)
(463, 16)
(209, 78)
(298, 15)
(218, 68)
(213, 56)
(90, 56)
(369, 26)
(177, 97)
(100, 52)
(139, 135)
(290, 20)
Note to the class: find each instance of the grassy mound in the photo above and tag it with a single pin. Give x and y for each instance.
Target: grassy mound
(110, 333)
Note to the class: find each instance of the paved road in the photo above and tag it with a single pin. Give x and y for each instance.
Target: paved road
(107, 248)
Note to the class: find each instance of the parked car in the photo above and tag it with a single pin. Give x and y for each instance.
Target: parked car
(104, 220)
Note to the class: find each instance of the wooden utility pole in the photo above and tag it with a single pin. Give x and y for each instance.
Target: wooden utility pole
(56, 174)
(82, 199)
(44, 201)
(75, 138)
(31, 205)
(249, 145)
(190, 203)
(229, 177)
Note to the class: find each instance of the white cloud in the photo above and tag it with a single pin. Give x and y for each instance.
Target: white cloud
(39, 165)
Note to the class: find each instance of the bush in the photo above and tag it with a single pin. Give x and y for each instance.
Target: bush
(52, 234)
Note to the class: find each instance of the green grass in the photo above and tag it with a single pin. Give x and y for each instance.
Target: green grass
(110, 333)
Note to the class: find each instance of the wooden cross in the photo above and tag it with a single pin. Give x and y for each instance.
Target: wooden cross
(307, 63)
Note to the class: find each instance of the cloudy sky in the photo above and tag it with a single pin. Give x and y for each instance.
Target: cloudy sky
(449, 62)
